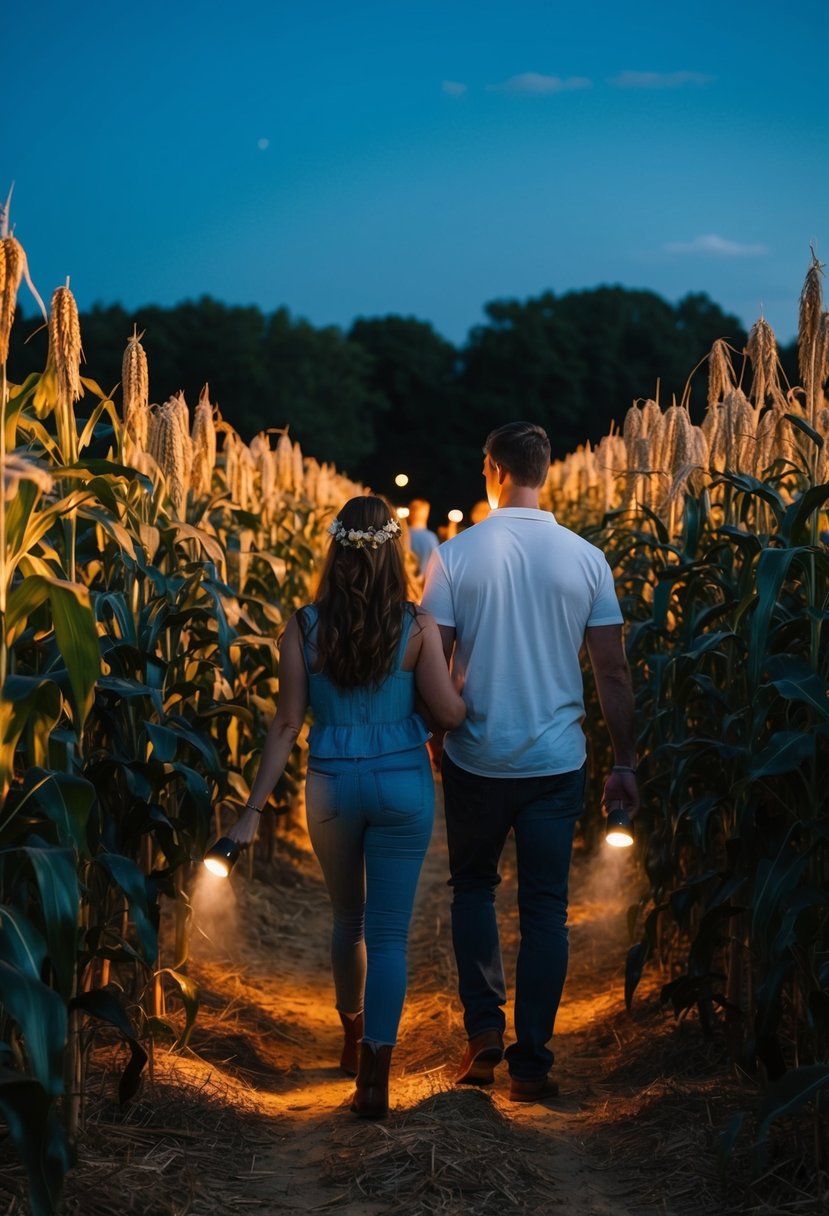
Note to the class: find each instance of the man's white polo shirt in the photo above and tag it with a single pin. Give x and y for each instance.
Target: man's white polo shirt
(520, 590)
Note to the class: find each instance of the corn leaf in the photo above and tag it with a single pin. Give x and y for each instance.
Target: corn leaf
(40, 1015)
(55, 874)
(26, 700)
(21, 943)
(39, 1137)
(67, 800)
(189, 992)
(106, 1007)
(75, 632)
(796, 680)
(790, 1094)
(126, 875)
(786, 752)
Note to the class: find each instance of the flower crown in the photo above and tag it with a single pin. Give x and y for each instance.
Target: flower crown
(369, 538)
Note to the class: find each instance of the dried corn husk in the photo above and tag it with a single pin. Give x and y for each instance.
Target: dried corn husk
(651, 419)
(203, 444)
(298, 473)
(632, 429)
(811, 310)
(12, 263)
(720, 372)
(170, 448)
(285, 463)
(176, 404)
(267, 479)
(762, 351)
(739, 432)
(311, 475)
(136, 396)
(65, 353)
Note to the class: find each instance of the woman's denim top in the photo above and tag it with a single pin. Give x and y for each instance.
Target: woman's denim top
(367, 720)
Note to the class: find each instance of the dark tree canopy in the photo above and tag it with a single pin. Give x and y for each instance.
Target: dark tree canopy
(391, 395)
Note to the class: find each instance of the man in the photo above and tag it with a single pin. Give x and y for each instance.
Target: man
(422, 540)
(515, 598)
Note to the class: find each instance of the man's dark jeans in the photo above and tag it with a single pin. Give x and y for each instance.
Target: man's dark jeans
(542, 812)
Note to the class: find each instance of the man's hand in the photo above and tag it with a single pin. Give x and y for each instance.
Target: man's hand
(621, 787)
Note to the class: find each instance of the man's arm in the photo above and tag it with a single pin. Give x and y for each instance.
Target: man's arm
(613, 684)
(447, 637)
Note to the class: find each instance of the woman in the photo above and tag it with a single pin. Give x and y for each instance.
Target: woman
(360, 655)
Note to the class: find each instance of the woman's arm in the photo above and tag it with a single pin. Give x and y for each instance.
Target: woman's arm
(286, 725)
(434, 684)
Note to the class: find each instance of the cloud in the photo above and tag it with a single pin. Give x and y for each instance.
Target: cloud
(535, 83)
(718, 246)
(454, 88)
(658, 80)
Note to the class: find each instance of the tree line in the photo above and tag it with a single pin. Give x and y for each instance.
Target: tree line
(391, 395)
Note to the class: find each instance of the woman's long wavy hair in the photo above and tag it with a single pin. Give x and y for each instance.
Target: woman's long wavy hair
(360, 601)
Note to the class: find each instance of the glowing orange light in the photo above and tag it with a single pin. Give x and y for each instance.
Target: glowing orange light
(402, 512)
(455, 516)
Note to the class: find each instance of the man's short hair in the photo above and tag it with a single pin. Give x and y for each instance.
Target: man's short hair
(523, 449)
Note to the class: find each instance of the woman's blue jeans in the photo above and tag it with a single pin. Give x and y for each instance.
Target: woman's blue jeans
(542, 813)
(370, 822)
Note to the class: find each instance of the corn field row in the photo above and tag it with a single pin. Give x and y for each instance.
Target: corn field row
(147, 561)
(719, 539)
(148, 558)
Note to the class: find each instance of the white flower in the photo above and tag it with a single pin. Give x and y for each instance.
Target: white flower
(372, 538)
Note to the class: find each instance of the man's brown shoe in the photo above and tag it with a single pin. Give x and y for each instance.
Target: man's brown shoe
(532, 1091)
(482, 1053)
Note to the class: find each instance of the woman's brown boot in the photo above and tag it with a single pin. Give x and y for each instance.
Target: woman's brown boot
(353, 1029)
(371, 1099)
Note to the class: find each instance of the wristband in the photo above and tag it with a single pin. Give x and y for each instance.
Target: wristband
(249, 806)
(624, 768)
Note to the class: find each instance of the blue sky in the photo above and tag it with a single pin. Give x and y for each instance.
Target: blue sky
(349, 159)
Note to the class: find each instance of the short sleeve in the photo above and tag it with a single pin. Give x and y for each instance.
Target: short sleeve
(605, 609)
(437, 592)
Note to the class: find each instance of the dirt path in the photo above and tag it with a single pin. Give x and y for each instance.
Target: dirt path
(274, 1036)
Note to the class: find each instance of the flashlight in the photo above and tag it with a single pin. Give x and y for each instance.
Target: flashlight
(222, 856)
(619, 828)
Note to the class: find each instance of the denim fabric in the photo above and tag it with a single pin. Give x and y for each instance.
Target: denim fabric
(542, 812)
(365, 720)
(370, 822)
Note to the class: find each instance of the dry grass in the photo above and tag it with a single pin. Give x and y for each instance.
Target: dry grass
(662, 1096)
(420, 1161)
(179, 1149)
(252, 1118)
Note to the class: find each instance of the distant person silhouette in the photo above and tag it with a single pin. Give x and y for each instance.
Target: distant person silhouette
(421, 538)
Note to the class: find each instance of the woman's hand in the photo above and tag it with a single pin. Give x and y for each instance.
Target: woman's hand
(246, 828)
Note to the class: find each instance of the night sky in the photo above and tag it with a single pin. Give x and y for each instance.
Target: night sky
(349, 159)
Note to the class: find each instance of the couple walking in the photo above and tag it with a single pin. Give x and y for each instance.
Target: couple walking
(507, 606)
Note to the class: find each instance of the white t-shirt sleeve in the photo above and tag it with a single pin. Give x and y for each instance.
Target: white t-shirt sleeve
(437, 593)
(605, 609)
